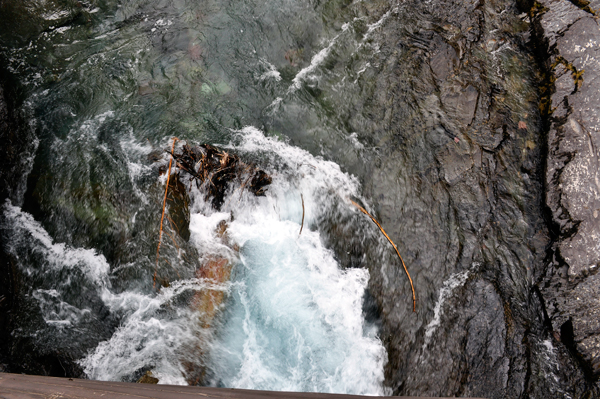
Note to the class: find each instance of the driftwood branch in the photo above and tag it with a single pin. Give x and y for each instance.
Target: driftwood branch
(163, 213)
(363, 210)
(216, 169)
(302, 225)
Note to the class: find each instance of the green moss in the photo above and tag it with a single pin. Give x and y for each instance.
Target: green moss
(584, 5)
(577, 75)
(537, 9)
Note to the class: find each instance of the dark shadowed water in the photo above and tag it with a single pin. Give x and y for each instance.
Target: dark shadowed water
(425, 112)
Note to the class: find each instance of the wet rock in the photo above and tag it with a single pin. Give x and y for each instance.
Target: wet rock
(478, 338)
(443, 61)
(179, 207)
(584, 304)
(486, 336)
(148, 379)
(490, 140)
(3, 111)
(145, 89)
(16, 140)
(4, 131)
(470, 207)
(22, 21)
(455, 163)
(462, 103)
(558, 16)
(571, 288)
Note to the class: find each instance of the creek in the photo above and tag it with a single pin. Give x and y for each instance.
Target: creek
(425, 112)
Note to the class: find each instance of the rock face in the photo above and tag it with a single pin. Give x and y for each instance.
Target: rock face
(5, 280)
(461, 190)
(13, 144)
(11, 148)
(571, 288)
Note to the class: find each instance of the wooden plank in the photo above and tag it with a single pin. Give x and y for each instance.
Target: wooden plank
(19, 386)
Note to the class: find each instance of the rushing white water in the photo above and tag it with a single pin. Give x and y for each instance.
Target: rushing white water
(295, 321)
(292, 319)
(29, 239)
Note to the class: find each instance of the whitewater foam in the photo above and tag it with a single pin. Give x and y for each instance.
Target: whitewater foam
(292, 318)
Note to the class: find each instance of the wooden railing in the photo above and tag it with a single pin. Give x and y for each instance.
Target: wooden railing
(20, 386)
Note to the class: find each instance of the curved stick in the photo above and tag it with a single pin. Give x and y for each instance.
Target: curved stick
(163, 213)
(363, 210)
(302, 225)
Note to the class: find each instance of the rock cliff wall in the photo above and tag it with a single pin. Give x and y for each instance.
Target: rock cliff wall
(571, 288)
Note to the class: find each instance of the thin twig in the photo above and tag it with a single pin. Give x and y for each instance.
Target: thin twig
(163, 213)
(244, 185)
(173, 224)
(172, 239)
(363, 210)
(241, 188)
(302, 225)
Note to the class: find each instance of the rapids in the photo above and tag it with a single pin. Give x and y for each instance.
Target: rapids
(425, 112)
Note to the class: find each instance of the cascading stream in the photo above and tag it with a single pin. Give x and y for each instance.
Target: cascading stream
(426, 113)
(293, 319)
